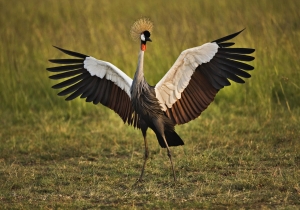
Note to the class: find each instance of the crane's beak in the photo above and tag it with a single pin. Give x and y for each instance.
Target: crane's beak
(148, 39)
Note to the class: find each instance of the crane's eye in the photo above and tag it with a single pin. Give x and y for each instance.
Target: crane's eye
(143, 37)
(147, 33)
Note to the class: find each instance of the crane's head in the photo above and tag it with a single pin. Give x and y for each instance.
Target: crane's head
(141, 30)
(145, 36)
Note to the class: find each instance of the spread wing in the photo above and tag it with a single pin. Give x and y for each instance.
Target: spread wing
(97, 81)
(198, 74)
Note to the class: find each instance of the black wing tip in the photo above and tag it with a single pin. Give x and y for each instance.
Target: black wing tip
(60, 94)
(72, 53)
(55, 87)
(237, 33)
(228, 37)
(61, 49)
(251, 50)
(242, 30)
(68, 99)
(52, 61)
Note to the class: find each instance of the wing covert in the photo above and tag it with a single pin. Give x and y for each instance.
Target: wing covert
(97, 81)
(198, 74)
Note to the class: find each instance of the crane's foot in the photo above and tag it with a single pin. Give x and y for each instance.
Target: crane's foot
(170, 157)
(138, 182)
(140, 179)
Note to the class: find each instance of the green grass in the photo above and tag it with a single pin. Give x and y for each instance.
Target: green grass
(242, 153)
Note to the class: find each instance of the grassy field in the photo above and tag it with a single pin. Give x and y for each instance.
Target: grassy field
(242, 153)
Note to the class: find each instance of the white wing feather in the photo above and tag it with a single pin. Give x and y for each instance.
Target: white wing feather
(168, 90)
(105, 69)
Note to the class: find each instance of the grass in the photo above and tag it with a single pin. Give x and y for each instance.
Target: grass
(242, 153)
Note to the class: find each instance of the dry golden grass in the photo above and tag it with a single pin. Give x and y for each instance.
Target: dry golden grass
(243, 152)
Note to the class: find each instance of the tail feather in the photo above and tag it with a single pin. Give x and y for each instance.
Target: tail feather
(173, 139)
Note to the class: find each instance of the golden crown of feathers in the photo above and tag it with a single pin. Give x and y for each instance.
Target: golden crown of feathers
(139, 26)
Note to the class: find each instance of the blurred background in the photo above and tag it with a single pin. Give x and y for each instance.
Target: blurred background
(244, 149)
(101, 29)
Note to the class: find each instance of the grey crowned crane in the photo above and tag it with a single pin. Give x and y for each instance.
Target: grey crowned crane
(180, 96)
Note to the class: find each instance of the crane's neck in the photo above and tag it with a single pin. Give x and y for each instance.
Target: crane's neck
(139, 82)
(139, 73)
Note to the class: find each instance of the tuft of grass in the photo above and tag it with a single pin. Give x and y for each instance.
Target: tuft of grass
(242, 152)
(74, 164)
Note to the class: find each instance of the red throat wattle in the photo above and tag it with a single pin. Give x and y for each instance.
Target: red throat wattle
(143, 47)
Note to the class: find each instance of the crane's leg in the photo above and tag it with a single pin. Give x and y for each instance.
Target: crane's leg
(144, 128)
(159, 124)
(170, 156)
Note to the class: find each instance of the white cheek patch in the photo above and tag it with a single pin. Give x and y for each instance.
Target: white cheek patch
(143, 37)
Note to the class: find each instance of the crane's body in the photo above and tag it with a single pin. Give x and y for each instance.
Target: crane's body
(179, 97)
(145, 103)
